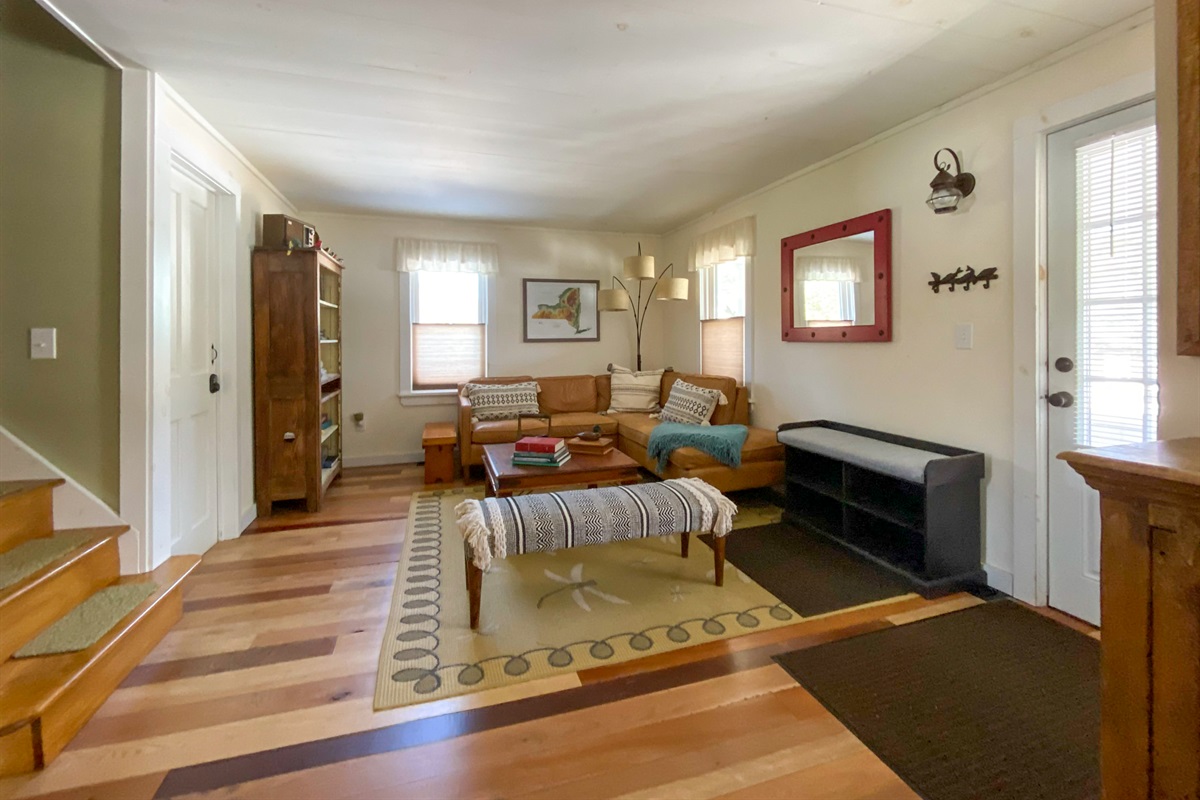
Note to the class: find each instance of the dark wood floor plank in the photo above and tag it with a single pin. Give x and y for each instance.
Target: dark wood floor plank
(259, 597)
(226, 662)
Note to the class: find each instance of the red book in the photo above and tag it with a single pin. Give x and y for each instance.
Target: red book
(539, 444)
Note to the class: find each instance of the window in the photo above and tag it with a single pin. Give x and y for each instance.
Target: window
(723, 319)
(1117, 288)
(449, 326)
(829, 303)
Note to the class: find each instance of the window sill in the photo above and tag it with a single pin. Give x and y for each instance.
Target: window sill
(448, 397)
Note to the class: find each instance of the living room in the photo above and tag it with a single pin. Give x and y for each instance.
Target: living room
(805, 124)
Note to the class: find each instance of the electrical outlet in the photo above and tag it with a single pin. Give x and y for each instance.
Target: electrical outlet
(43, 343)
(964, 336)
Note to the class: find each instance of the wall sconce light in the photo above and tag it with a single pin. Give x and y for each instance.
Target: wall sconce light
(640, 268)
(949, 190)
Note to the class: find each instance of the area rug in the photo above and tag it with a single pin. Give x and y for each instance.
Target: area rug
(995, 702)
(808, 572)
(545, 614)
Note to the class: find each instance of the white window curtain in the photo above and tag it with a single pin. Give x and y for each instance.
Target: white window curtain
(827, 268)
(432, 255)
(722, 244)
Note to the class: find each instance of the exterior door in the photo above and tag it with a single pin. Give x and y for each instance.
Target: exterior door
(1102, 312)
(194, 506)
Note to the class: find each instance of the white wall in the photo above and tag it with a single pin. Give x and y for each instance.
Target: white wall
(1179, 376)
(187, 133)
(919, 384)
(372, 293)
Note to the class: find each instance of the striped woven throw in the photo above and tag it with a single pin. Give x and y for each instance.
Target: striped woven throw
(498, 526)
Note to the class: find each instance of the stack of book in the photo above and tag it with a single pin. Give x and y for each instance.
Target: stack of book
(541, 451)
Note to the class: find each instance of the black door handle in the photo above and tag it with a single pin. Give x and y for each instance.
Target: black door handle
(1061, 399)
(214, 385)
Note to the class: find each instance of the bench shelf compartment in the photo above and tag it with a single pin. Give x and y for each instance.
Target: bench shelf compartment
(911, 505)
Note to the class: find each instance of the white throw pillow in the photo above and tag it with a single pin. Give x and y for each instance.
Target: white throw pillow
(634, 391)
(691, 404)
(502, 400)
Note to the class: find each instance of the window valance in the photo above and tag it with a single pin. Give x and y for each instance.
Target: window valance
(827, 268)
(723, 244)
(432, 255)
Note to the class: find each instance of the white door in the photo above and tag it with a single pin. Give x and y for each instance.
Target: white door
(194, 507)
(1102, 312)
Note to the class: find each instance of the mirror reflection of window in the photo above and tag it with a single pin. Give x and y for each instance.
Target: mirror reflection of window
(834, 283)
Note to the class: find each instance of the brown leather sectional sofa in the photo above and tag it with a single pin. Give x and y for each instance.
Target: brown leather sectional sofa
(574, 402)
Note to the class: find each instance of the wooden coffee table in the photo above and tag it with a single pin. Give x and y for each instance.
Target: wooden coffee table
(504, 477)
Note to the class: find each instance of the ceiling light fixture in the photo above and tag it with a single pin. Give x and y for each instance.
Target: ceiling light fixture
(949, 190)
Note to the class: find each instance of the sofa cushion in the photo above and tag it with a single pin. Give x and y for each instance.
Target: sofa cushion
(634, 391)
(690, 404)
(502, 400)
(570, 424)
(760, 446)
(502, 431)
(723, 413)
(635, 427)
(563, 394)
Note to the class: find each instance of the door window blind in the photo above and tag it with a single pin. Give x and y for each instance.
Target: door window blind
(1117, 288)
(448, 329)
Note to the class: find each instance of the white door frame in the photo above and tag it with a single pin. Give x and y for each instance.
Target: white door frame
(227, 199)
(149, 151)
(1031, 559)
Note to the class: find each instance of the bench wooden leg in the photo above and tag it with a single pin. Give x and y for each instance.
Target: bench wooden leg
(684, 540)
(719, 559)
(474, 591)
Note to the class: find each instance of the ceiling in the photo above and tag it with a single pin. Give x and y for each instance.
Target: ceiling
(622, 115)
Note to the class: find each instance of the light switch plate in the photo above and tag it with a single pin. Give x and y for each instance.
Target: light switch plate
(43, 343)
(964, 336)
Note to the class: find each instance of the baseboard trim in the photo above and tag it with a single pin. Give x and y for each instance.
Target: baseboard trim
(249, 514)
(385, 460)
(999, 579)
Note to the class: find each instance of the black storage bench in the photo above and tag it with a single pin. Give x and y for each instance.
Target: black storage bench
(912, 506)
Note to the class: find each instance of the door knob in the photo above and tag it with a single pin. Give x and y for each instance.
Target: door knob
(1061, 399)
(214, 385)
(1064, 364)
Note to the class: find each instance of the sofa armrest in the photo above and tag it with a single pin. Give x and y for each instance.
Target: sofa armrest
(464, 422)
(741, 406)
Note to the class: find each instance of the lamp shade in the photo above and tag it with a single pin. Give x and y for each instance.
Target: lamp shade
(672, 289)
(612, 300)
(639, 267)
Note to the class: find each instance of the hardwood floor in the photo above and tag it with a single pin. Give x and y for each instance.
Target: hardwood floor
(264, 690)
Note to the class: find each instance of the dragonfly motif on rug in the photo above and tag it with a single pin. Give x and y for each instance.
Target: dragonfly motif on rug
(576, 585)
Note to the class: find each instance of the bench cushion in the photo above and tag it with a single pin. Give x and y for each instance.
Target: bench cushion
(905, 463)
(497, 527)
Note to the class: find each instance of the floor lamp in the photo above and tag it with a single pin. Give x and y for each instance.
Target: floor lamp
(640, 268)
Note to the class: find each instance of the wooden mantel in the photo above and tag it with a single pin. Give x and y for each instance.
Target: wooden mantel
(1150, 609)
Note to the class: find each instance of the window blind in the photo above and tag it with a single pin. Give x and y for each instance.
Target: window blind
(1117, 288)
(722, 345)
(444, 356)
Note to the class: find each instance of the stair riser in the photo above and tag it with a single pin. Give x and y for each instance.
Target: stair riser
(74, 707)
(26, 516)
(40, 604)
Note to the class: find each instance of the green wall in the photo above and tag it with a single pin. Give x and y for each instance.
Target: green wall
(60, 164)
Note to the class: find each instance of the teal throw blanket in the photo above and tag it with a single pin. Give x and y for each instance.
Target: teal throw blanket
(722, 442)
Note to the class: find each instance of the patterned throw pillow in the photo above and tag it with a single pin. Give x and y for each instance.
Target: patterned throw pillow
(691, 404)
(502, 400)
(634, 391)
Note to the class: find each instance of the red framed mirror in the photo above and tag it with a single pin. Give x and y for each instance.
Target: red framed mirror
(836, 281)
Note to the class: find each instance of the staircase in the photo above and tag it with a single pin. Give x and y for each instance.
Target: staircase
(45, 700)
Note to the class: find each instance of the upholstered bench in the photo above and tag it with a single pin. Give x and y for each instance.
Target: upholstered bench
(497, 527)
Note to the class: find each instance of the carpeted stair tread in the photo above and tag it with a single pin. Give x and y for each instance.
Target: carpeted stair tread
(89, 621)
(28, 557)
(994, 701)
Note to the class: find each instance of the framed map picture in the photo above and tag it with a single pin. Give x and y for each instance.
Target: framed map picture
(561, 311)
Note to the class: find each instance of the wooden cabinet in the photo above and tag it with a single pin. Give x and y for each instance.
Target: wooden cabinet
(1150, 607)
(297, 375)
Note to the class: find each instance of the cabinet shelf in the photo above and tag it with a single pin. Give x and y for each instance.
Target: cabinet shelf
(325, 398)
(327, 432)
(330, 378)
(329, 341)
(327, 304)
